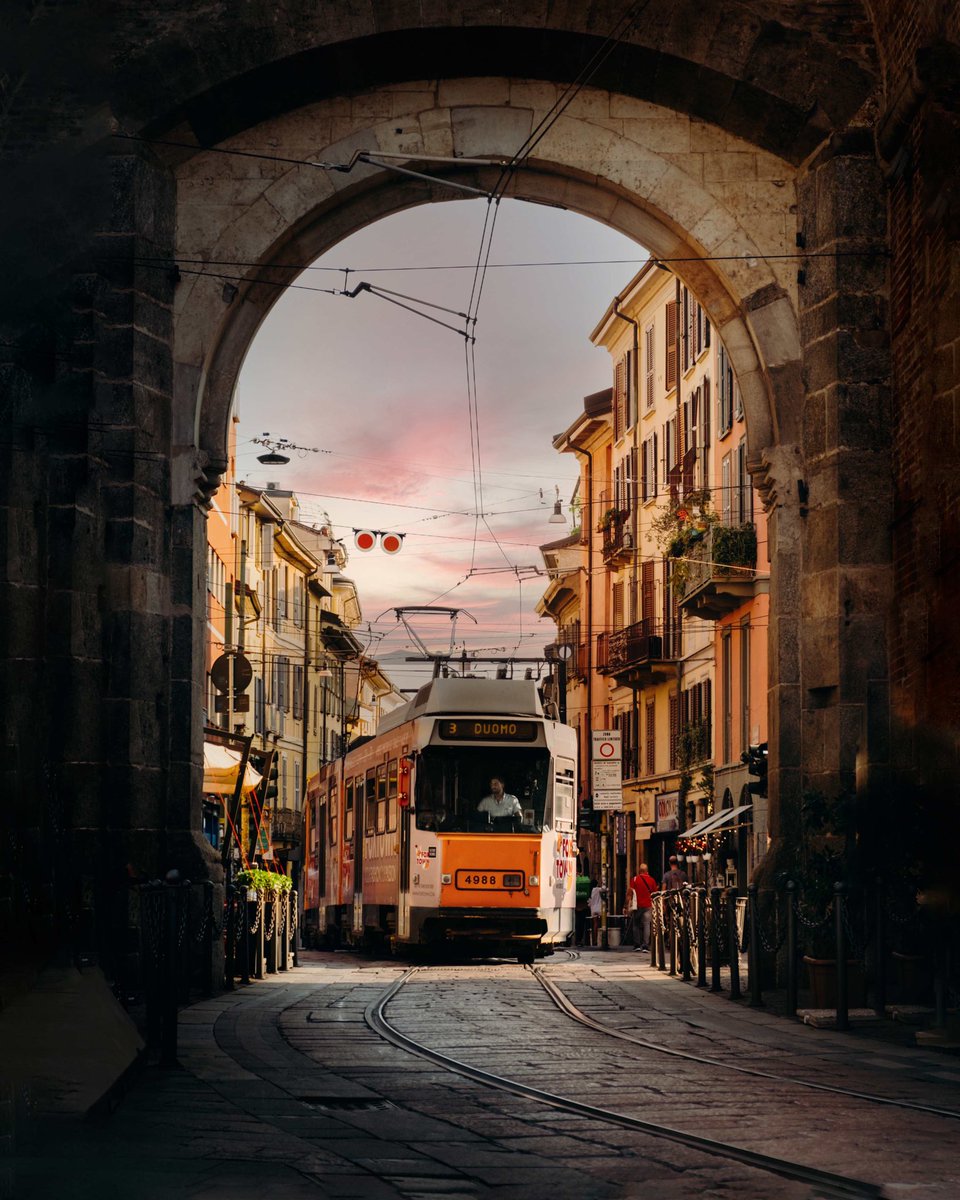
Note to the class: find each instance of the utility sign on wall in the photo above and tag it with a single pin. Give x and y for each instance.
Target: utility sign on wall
(606, 770)
(606, 745)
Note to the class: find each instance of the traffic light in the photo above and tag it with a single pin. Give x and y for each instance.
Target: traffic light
(756, 759)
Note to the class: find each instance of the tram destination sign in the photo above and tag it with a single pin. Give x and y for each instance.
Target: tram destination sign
(487, 729)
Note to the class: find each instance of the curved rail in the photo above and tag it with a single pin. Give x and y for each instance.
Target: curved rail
(840, 1187)
(568, 1008)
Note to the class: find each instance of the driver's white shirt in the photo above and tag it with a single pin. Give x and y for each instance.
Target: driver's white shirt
(507, 806)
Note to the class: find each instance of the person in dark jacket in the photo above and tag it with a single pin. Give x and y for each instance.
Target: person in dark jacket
(674, 878)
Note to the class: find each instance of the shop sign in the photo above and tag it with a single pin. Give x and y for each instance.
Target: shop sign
(668, 820)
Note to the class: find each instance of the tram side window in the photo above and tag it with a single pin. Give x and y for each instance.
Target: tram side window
(391, 795)
(332, 809)
(348, 813)
(382, 798)
(370, 808)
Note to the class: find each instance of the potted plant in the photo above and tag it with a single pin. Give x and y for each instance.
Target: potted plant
(678, 529)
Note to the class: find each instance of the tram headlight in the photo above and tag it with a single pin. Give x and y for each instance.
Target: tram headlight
(534, 880)
(512, 881)
(446, 879)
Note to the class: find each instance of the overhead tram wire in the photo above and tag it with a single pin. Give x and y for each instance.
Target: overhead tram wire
(619, 31)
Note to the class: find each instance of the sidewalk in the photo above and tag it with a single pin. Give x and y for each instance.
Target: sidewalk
(905, 1024)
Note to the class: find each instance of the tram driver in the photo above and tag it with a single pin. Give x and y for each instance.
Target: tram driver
(500, 804)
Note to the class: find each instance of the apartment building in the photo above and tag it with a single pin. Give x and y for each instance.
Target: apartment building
(671, 612)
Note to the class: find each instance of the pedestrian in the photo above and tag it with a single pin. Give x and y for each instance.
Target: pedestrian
(629, 924)
(675, 877)
(643, 885)
(583, 908)
(596, 907)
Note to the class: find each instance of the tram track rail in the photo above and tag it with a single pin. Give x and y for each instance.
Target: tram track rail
(827, 1185)
(571, 1010)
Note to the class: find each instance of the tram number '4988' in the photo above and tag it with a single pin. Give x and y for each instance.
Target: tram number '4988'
(489, 879)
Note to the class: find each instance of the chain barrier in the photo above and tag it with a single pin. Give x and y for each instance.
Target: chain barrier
(855, 944)
(206, 904)
(770, 945)
(268, 931)
(810, 922)
(151, 922)
(282, 915)
(259, 918)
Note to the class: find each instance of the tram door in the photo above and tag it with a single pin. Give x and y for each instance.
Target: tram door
(361, 801)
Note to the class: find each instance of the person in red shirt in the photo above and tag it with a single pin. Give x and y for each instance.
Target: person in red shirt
(644, 885)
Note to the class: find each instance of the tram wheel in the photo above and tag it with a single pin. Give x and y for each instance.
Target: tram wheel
(526, 958)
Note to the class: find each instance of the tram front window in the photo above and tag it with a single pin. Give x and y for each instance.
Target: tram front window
(457, 790)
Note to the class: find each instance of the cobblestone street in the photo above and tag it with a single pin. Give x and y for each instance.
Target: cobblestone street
(284, 1087)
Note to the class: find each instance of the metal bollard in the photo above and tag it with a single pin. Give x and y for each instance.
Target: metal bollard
(658, 954)
(171, 981)
(843, 994)
(880, 963)
(792, 964)
(701, 937)
(753, 949)
(671, 908)
(295, 927)
(206, 962)
(733, 940)
(229, 949)
(715, 915)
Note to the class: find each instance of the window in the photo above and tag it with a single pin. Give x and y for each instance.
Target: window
(743, 511)
(726, 499)
(298, 693)
(382, 798)
(298, 598)
(648, 468)
(283, 781)
(651, 737)
(649, 344)
(296, 783)
(647, 591)
(726, 670)
(332, 810)
(259, 706)
(392, 788)
(617, 592)
(724, 393)
(703, 433)
(348, 811)
(370, 803)
(674, 730)
(619, 399)
(670, 381)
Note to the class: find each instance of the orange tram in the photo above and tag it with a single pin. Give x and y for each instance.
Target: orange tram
(411, 842)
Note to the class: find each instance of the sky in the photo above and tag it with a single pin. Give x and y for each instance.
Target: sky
(381, 394)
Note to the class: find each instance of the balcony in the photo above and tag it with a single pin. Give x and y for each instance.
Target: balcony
(285, 824)
(638, 655)
(617, 536)
(721, 572)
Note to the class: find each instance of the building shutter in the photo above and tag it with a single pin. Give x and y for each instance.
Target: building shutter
(618, 606)
(620, 399)
(647, 593)
(650, 363)
(670, 381)
(674, 729)
(651, 737)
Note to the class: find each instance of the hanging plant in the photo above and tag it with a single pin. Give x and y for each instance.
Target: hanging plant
(678, 529)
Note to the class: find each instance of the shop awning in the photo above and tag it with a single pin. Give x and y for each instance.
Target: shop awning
(718, 821)
(221, 768)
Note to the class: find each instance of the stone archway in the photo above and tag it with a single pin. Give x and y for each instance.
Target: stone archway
(720, 211)
(702, 123)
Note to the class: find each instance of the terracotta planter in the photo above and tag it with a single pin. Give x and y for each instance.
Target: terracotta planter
(822, 973)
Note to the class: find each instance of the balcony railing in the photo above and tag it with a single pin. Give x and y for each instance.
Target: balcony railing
(721, 571)
(639, 648)
(285, 824)
(617, 534)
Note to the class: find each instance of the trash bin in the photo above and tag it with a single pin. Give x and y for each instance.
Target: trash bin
(614, 929)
